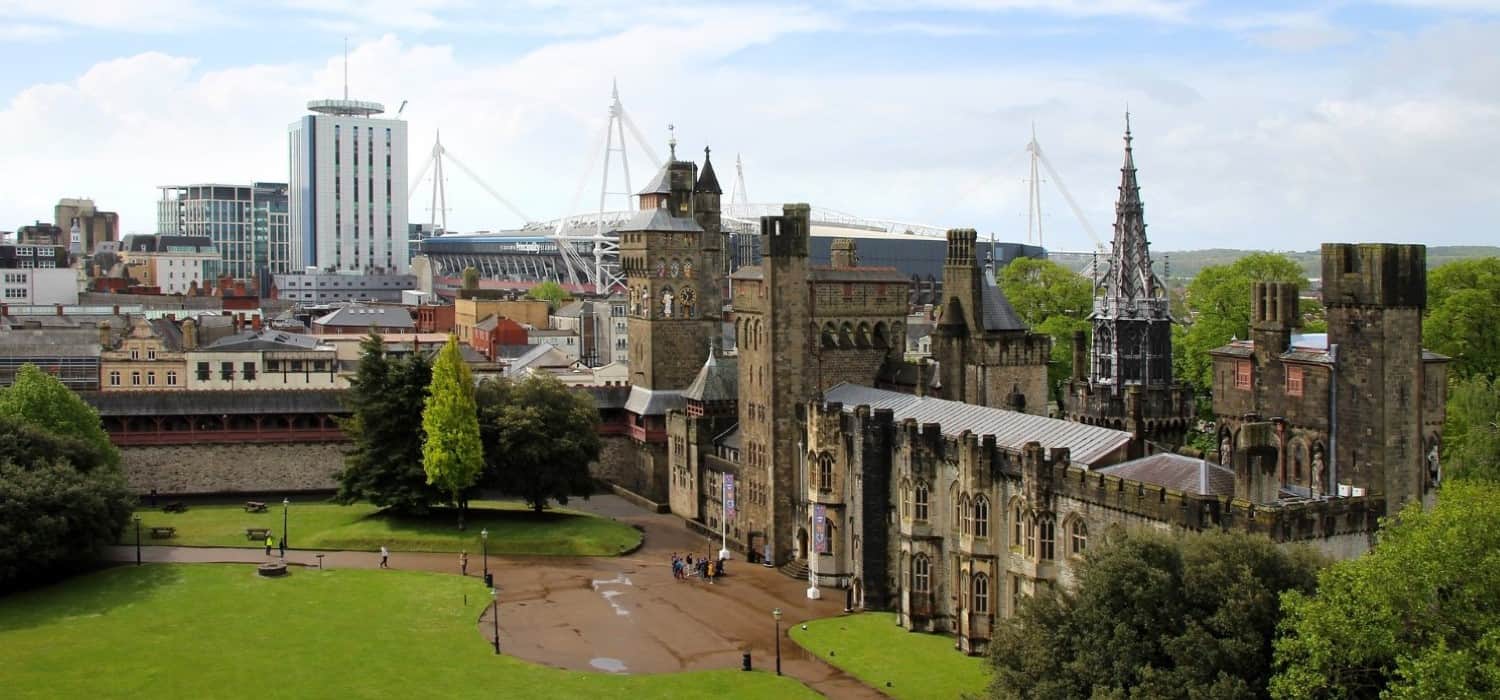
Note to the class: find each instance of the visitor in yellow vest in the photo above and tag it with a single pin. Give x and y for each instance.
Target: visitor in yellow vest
(269, 543)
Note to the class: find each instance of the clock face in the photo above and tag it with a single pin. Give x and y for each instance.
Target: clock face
(688, 294)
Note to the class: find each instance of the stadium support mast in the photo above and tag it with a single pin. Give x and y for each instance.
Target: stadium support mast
(737, 195)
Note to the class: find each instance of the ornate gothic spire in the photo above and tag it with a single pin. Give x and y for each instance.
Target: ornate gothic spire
(1130, 277)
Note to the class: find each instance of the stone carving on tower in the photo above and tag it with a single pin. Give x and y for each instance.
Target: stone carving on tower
(1123, 378)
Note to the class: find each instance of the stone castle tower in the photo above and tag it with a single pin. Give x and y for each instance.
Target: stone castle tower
(1123, 380)
(671, 252)
(986, 355)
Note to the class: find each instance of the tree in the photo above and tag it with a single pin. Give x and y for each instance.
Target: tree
(61, 502)
(550, 292)
(471, 278)
(1154, 616)
(384, 463)
(1051, 299)
(41, 400)
(1471, 435)
(1218, 303)
(1461, 296)
(539, 438)
(451, 452)
(1417, 617)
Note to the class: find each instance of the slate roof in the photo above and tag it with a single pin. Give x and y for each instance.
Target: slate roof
(646, 402)
(171, 403)
(659, 219)
(253, 341)
(717, 380)
(35, 342)
(997, 313)
(1305, 347)
(366, 316)
(729, 438)
(488, 324)
(823, 273)
(1086, 444)
(661, 183)
(169, 332)
(1177, 472)
(707, 181)
(510, 352)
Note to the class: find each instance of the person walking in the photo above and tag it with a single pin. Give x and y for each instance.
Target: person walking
(463, 563)
(711, 571)
(282, 543)
(269, 543)
(385, 557)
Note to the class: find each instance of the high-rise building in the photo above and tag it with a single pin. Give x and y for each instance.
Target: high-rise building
(248, 224)
(87, 225)
(348, 189)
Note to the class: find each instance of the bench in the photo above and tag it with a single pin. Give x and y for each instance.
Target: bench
(257, 533)
(161, 533)
(255, 507)
(174, 507)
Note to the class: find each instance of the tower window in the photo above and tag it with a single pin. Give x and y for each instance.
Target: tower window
(1294, 381)
(1242, 374)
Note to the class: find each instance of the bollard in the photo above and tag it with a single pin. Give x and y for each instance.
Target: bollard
(489, 580)
(745, 661)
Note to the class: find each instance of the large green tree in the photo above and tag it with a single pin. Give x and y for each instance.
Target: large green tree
(1417, 617)
(1051, 299)
(1218, 306)
(1471, 435)
(1154, 616)
(62, 497)
(1461, 298)
(384, 462)
(549, 291)
(539, 438)
(40, 399)
(451, 451)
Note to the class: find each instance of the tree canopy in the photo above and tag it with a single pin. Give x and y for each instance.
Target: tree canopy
(1154, 616)
(470, 278)
(62, 497)
(451, 451)
(1461, 298)
(1417, 617)
(1218, 306)
(384, 462)
(1471, 434)
(40, 399)
(549, 291)
(1051, 299)
(539, 438)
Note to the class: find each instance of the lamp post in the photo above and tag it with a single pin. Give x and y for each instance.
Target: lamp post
(137, 540)
(495, 605)
(484, 540)
(777, 614)
(286, 504)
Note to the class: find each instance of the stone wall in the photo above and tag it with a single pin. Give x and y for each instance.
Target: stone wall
(617, 462)
(195, 469)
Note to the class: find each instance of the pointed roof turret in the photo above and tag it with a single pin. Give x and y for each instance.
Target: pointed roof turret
(708, 182)
(1130, 277)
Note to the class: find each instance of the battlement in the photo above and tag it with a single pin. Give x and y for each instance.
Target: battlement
(1374, 274)
(786, 236)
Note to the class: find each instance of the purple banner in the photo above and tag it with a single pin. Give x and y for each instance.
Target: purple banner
(820, 529)
(729, 497)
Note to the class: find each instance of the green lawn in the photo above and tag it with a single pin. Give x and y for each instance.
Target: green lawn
(872, 648)
(319, 525)
(220, 631)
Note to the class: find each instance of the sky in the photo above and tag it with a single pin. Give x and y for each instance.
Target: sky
(1269, 125)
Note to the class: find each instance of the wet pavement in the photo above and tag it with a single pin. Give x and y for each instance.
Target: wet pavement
(615, 614)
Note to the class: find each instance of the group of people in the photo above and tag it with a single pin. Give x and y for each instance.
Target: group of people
(704, 568)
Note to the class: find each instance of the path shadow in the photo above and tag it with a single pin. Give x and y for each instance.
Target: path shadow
(85, 595)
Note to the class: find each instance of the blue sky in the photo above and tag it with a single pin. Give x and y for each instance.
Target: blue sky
(1269, 125)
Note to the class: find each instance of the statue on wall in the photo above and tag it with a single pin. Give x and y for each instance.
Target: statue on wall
(1225, 447)
(666, 303)
(1434, 469)
(635, 301)
(1317, 471)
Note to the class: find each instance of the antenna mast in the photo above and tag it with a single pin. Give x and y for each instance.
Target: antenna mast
(346, 67)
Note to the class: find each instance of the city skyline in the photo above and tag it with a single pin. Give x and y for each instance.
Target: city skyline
(1263, 128)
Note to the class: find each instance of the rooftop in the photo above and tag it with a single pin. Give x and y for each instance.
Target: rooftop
(1177, 472)
(366, 316)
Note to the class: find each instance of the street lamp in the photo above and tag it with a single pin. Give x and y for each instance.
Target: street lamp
(495, 605)
(777, 614)
(286, 504)
(137, 540)
(484, 539)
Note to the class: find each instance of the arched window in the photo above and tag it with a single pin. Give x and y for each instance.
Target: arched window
(981, 593)
(1030, 537)
(905, 499)
(921, 573)
(1048, 528)
(1017, 523)
(825, 471)
(981, 516)
(1079, 537)
(921, 501)
(882, 336)
(862, 335)
(963, 513)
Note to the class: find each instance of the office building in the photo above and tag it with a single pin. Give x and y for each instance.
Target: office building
(248, 224)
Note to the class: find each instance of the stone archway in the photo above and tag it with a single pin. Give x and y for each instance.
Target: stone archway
(802, 544)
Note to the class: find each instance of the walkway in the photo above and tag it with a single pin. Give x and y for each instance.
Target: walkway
(624, 614)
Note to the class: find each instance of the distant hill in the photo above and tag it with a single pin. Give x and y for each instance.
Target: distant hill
(1185, 264)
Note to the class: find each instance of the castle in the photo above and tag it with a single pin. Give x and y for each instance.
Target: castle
(951, 499)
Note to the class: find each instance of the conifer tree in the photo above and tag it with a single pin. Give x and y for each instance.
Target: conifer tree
(384, 464)
(451, 453)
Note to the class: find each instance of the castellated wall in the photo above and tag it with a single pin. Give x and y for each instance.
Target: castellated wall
(244, 468)
(617, 463)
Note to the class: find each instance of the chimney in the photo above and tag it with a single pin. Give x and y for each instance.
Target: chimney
(189, 335)
(239, 322)
(255, 323)
(842, 254)
(115, 310)
(104, 340)
(59, 309)
(1080, 356)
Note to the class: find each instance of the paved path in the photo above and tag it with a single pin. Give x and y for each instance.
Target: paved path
(624, 614)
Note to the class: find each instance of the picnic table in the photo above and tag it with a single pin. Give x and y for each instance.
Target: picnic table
(257, 533)
(161, 533)
(255, 507)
